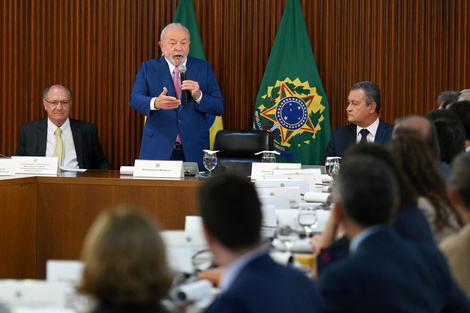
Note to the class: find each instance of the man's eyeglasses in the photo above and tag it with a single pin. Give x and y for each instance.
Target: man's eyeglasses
(56, 103)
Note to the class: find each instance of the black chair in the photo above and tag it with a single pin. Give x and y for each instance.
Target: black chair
(237, 150)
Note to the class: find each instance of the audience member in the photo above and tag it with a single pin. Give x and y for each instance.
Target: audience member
(408, 221)
(363, 112)
(125, 263)
(450, 133)
(252, 281)
(414, 157)
(462, 109)
(464, 95)
(384, 273)
(422, 127)
(176, 126)
(446, 98)
(74, 142)
(457, 248)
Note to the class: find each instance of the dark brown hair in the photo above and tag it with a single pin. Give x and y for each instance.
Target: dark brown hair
(125, 260)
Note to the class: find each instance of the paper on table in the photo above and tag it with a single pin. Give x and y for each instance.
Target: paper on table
(316, 196)
(326, 178)
(71, 169)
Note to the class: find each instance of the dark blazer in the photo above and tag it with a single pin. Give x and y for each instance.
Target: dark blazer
(390, 274)
(344, 137)
(32, 141)
(265, 286)
(162, 126)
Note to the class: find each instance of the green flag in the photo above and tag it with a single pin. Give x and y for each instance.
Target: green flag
(186, 15)
(291, 101)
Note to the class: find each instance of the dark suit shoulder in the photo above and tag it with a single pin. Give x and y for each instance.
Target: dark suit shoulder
(35, 124)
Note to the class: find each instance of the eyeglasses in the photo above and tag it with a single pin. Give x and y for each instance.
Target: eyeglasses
(56, 103)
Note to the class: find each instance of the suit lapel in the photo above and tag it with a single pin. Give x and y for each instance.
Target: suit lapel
(77, 141)
(382, 132)
(162, 73)
(42, 136)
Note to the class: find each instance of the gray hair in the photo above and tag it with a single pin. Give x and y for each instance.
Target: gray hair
(171, 25)
(46, 91)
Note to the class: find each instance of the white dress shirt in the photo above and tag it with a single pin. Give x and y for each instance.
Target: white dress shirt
(70, 155)
(372, 128)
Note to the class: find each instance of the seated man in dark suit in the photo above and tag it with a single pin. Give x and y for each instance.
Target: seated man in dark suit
(384, 272)
(363, 112)
(252, 281)
(74, 142)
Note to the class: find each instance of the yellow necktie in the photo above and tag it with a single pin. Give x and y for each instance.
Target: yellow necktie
(59, 147)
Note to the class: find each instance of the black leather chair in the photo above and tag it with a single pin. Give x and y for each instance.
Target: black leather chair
(237, 150)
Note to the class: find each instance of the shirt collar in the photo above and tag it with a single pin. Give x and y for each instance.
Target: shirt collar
(65, 127)
(372, 128)
(231, 272)
(356, 242)
(172, 67)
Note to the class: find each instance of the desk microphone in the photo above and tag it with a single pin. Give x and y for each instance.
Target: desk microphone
(184, 93)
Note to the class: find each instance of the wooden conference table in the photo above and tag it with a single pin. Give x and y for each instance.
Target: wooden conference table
(47, 217)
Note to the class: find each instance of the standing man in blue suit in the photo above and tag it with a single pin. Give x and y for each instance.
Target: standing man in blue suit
(384, 272)
(176, 130)
(251, 282)
(363, 112)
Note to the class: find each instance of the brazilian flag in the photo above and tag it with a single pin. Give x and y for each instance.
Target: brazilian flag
(186, 15)
(291, 102)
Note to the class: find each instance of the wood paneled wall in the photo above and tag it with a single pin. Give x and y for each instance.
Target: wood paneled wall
(413, 49)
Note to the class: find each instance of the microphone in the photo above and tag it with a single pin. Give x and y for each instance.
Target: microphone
(184, 93)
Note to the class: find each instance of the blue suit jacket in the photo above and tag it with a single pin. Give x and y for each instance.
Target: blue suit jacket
(189, 119)
(32, 141)
(390, 274)
(344, 137)
(265, 286)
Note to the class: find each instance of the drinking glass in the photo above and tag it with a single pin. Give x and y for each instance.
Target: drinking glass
(286, 233)
(268, 157)
(210, 161)
(332, 166)
(307, 218)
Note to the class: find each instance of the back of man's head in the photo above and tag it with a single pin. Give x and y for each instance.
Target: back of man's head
(231, 211)
(371, 92)
(422, 127)
(446, 98)
(367, 189)
(462, 109)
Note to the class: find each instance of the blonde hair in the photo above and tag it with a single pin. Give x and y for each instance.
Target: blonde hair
(125, 260)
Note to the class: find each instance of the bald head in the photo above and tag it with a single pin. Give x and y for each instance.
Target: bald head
(420, 126)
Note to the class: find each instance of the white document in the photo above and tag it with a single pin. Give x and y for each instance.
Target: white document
(258, 169)
(36, 165)
(7, 166)
(293, 193)
(158, 169)
(313, 174)
(272, 183)
(64, 270)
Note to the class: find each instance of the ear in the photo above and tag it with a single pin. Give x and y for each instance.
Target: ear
(160, 45)
(207, 235)
(372, 107)
(44, 104)
(338, 212)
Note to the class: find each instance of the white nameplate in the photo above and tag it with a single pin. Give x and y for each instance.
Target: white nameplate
(7, 166)
(309, 173)
(36, 165)
(160, 169)
(258, 169)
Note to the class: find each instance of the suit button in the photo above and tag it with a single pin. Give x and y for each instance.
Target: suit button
(179, 121)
